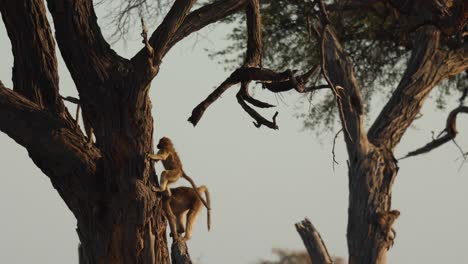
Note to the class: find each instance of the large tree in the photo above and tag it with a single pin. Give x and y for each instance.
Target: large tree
(379, 33)
(107, 185)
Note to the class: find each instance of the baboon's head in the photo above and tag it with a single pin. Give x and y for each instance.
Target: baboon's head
(165, 143)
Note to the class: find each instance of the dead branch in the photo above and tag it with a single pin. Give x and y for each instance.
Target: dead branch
(144, 34)
(313, 242)
(252, 70)
(463, 96)
(448, 134)
(337, 70)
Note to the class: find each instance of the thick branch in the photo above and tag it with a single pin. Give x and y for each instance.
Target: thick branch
(171, 23)
(313, 242)
(338, 70)
(54, 145)
(88, 56)
(146, 62)
(254, 35)
(244, 74)
(427, 67)
(35, 73)
(205, 16)
(450, 133)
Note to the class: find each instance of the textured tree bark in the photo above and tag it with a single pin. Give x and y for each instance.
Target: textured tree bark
(370, 187)
(313, 242)
(179, 252)
(107, 184)
(372, 170)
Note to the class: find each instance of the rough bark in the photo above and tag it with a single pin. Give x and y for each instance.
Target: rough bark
(35, 74)
(179, 252)
(106, 184)
(372, 170)
(313, 242)
(428, 66)
(372, 167)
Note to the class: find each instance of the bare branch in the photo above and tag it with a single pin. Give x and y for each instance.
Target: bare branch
(260, 120)
(313, 242)
(171, 23)
(88, 56)
(449, 133)
(204, 16)
(243, 74)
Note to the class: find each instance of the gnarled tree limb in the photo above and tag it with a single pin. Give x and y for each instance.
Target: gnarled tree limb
(428, 66)
(54, 145)
(35, 74)
(88, 56)
(449, 133)
(205, 16)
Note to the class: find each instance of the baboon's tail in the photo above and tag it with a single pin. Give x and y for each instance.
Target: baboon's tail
(196, 189)
(204, 189)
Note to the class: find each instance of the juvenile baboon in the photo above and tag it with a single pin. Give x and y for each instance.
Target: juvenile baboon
(173, 167)
(184, 204)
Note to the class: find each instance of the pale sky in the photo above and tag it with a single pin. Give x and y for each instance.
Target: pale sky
(261, 181)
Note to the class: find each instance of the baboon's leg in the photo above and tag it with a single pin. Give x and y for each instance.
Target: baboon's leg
(168, 177)
(171, 218)
(180, 223)
(191, 217)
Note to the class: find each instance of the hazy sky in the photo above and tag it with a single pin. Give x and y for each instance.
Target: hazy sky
(261, 181)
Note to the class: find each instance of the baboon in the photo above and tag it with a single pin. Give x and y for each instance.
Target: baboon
(173, 167)
(184, 201)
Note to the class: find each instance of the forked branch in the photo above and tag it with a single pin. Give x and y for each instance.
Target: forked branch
(337, 69)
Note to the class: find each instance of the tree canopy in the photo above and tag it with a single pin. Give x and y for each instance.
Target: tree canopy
(377, 35)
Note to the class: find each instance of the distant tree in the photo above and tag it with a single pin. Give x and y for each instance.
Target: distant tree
(426, 39)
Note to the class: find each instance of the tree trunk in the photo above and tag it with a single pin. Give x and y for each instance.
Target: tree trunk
(370, 217)
(128, 231)
(126, 224)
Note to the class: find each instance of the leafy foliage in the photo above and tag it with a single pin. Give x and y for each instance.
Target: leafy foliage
(377, 37)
